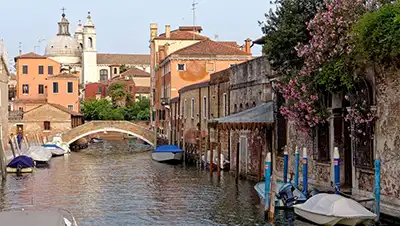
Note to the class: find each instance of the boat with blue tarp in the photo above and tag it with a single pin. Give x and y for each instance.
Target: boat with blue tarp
(55, 149)
(167, 153)
(21, 164)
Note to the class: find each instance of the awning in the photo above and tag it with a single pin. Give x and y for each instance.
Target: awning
(262, 115)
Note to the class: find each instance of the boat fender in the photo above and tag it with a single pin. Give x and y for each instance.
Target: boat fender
(286, 195)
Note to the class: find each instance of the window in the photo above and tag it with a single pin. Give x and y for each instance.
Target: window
(235, 108)
(322, 136)
(46, 125)
(210, 67)
(192, 108)
(41, 70)
(41, 89)
(70, 87)
(205, 107)
(25, 69)
(181, 67)
(50, 70)
(71, 107)
(90, 42)
(21, 109)
(25, 89)
(130, 89)
(224, 104)
(231, 65)
(103, 75)
(115, 71)
(100, 89)
(55, 87)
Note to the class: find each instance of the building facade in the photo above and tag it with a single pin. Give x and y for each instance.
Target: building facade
(4, 73)
(79, 53)
(44, 120)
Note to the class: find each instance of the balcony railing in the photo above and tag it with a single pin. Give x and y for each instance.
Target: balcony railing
(15, 115)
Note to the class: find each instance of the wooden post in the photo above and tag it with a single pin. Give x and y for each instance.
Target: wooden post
(296, 169)
(2, 155)
(219, 154)
(377, 189)
(267, 185)
(237, 163)
(11, 146)
(211, 158)
(336, 163)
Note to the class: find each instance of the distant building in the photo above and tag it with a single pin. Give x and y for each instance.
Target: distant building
(40, 80)
(137, 84)
(44, 120)
(4, 73)
(183, 57)
(12, 87)
(79, 53)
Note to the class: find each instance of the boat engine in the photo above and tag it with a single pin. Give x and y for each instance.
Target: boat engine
(286, 195)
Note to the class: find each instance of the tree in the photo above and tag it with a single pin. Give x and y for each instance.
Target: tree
(123, 68)
(284, 29)
(118, 94)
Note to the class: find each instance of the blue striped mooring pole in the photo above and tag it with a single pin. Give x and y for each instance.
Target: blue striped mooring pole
(285, 166)
(377, 189)
(296, 170)
(336, 169)
(305, 172)
(267, 189)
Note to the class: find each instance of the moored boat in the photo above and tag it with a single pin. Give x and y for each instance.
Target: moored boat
(286, 194)
(332, 209)
(54, 149)
(20, 164)
(167, 153)
(224, 164)
(96, 140)
(34, 217)
(39, 154)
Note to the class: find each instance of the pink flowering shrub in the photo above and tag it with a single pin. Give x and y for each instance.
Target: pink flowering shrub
(330, 41)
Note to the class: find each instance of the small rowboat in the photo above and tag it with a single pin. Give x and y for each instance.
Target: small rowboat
(20, 164)
(167, 153)
(332, 209)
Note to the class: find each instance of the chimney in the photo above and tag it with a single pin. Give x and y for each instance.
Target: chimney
(20, 52)
(153, 31)
(161, 50)
(247, 46)
(168, 31)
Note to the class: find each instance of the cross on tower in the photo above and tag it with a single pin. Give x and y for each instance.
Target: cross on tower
(63, 10)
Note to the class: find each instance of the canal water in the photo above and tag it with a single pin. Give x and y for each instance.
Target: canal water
(113, 184)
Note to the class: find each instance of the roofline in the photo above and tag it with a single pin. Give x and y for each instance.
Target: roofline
(204, 57)
(194, 86)
(175, 99)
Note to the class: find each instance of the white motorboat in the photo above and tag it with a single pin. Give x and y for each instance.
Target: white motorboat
(55, 149)
(224, 163)
(332, 209)
(39, 154)
(34, 217)
(167, 153)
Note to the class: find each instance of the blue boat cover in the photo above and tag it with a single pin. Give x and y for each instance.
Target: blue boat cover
(51, 146)
(21, 161)
(168, 148)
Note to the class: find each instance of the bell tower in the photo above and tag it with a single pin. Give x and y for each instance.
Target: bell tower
(89, 57)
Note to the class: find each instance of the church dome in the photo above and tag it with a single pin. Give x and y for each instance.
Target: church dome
(64, 48)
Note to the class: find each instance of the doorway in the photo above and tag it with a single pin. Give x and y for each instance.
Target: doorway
(243, 149)
(20, 129)
(348, 161)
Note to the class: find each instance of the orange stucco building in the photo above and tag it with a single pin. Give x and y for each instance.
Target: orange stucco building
(188, 61)
(39, 80)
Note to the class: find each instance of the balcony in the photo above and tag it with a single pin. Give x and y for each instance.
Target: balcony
(165, 101)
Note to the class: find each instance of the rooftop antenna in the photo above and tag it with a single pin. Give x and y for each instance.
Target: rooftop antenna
(20, 48)
(194, 17)
(216, 37)
(40, 42)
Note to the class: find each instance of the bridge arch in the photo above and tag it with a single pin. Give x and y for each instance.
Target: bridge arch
(108, 126)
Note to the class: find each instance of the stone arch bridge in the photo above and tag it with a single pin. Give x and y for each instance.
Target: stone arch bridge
(108, 126)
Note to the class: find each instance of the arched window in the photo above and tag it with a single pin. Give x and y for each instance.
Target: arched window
(235, 108)
(90, 42)
(254, 104)
(247, 105)
(103, 75)
(241, 107)
(115, 71)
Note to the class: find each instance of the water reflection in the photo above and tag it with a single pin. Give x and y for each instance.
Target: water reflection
(114, 184)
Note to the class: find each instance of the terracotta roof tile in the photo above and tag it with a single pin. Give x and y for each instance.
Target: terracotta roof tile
(182, 35)
(63, 75)
(30, 55)
(135, 72)
(230, 43)
(142, 89)
(119, 59)
(65, 109)
(209, 47)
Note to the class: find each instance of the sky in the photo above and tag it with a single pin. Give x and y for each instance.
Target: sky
(123, 26)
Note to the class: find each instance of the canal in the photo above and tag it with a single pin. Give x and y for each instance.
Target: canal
(113, 184)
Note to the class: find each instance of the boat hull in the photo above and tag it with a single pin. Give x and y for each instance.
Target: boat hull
(328, 220)
(23, 170)
(167, 156)
(260, 188)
